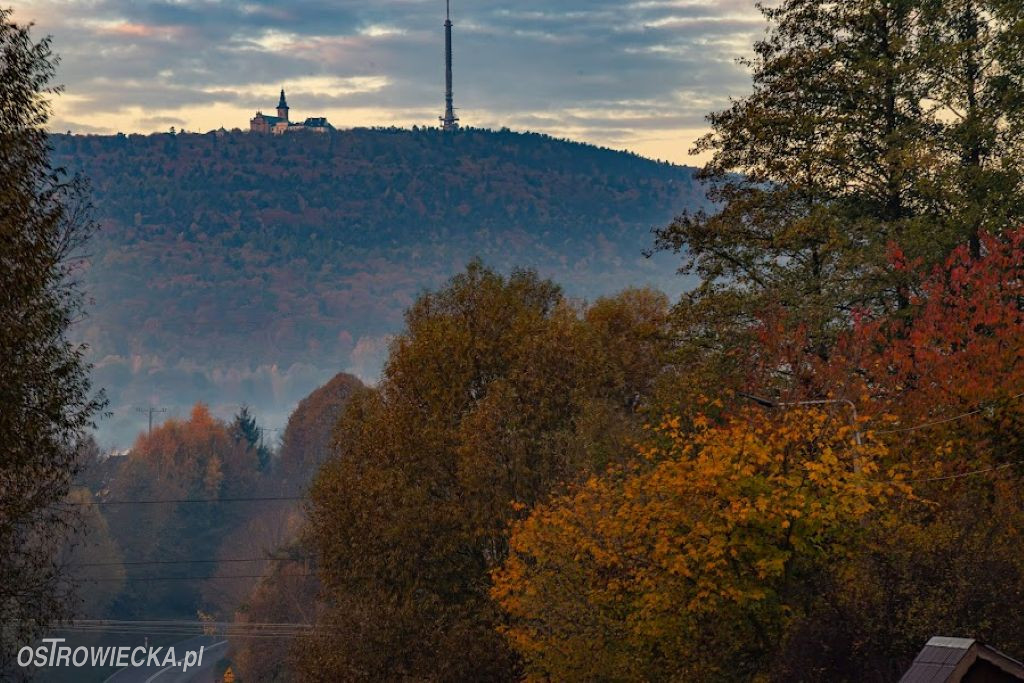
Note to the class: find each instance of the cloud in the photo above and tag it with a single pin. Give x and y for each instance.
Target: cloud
(62, 125)
(368, 356)
(150, 122)
(616, 73)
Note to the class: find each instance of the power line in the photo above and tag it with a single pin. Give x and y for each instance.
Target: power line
(900, 430)
(962, 474)
(237, 636)
(772, 404)
(194, 628)
(946, 420)
(192, 578)
(188, 628)
(177, 501)
(183, 623)
(151, 562)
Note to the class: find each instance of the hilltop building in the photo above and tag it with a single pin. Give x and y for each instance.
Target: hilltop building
(280, 124)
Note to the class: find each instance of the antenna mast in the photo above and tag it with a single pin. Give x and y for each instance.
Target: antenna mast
(449, 121)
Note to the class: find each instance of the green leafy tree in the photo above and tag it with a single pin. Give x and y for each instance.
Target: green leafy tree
(46, 402)
(973, 64)
(870, 123)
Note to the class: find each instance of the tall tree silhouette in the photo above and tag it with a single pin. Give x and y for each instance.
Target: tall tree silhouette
(45, 393)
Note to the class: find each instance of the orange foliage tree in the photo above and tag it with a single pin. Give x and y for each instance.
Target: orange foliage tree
(197, 458)
(693, 561)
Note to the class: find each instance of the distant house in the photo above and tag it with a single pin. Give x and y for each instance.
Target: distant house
(962, 660)
(280, 124)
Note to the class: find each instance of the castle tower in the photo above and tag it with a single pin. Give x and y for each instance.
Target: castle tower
(449, 121)
(282, 107)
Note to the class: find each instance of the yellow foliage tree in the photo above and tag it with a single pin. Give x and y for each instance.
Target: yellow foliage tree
(696, 557)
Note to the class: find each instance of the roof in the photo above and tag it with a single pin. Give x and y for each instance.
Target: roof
(316, 122)
(952, 660)
(269, 119)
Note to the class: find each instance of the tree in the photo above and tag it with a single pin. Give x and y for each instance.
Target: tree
(870, 123)
(288, 594)
(498, 392)
(960, 349)
(940, 382)
(271, 531)
(180, 460)
(45, 394)
(306, 443)
(950, 374)
(692, 563)
(91, 553)
(245, 429)
(815, 171)
(617, 579)
(972, 63)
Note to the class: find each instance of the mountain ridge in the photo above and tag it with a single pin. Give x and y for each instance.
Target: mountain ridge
(232, 267)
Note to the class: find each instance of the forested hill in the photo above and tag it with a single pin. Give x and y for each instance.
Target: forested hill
(238, 268)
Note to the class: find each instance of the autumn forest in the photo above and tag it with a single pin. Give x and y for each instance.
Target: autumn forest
(800, 468)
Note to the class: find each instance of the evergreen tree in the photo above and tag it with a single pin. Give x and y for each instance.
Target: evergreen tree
(244, 428)
(46, 402)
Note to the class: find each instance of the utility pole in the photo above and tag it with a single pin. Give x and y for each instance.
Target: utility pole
(263, 430)
(151, 410)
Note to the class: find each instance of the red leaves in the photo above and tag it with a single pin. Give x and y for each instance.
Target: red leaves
(963, 344)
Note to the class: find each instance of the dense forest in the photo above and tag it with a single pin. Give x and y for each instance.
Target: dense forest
(277, 260)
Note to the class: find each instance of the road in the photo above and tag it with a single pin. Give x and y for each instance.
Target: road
(215, 648)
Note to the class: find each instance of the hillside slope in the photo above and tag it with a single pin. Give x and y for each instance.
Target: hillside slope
(240, 268)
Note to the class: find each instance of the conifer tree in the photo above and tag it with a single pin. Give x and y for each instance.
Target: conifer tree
(244, 428)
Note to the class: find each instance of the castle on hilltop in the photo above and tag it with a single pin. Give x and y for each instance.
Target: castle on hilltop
(280, 124)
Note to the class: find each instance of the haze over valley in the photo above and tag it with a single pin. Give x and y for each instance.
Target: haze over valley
(236, 268)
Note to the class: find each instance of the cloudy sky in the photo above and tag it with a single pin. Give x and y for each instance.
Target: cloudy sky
(629, 74)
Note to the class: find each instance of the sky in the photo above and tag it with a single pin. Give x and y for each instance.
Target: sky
(632, 74)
